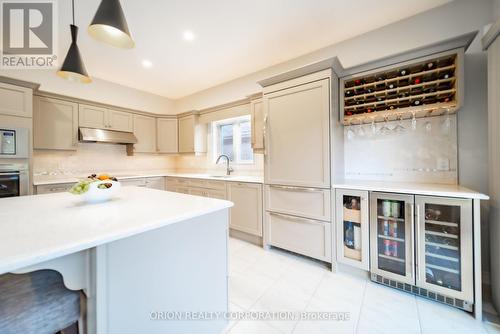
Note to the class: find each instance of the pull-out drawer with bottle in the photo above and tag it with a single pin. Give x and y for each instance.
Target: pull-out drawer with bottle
(308, 237)
(299, 201)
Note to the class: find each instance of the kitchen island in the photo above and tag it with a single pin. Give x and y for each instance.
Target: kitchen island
(140, 254)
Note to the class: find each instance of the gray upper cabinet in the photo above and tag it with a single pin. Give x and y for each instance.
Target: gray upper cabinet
(145, 131)
(16, 101)
(192, 135)
(257, 114)
(103, 118)
(55, 124)
(167, 135)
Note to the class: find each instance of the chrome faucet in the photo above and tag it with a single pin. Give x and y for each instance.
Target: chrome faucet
(228, 169)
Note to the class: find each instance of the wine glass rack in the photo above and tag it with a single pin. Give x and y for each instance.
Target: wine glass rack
(429, 86)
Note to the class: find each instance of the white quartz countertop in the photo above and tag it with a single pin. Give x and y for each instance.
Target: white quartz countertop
(444, 190)
(39, 228)
(57, 179)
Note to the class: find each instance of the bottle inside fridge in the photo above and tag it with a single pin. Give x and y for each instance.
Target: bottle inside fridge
(391, 236)
(352, 227)
(442, 245)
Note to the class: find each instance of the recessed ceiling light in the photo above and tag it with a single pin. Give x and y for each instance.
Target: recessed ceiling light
(147, 63)
(189, 35)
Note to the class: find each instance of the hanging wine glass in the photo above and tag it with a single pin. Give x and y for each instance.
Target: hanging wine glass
(373, 126)
(350, 133)
(361, 131)
(399, 127)
(413, 121)
(447, 122)
(385, 130)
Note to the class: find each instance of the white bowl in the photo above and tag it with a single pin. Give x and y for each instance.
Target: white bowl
(97, 195)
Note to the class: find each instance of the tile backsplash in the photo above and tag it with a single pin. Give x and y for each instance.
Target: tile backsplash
(423, 153)
(97, 157)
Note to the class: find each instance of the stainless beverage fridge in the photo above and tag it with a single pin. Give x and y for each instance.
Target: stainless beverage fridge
(423, 245)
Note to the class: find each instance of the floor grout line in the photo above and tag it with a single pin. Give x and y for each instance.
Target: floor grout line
(361, 307)
(310, 299)
(418, 314)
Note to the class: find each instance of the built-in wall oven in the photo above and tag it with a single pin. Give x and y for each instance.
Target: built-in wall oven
(14, 180)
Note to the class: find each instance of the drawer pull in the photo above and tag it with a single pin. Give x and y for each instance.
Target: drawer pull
(297, 219)
(315, 190)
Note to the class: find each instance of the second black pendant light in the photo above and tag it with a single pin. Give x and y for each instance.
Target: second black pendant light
(73, 68)
(110, 26)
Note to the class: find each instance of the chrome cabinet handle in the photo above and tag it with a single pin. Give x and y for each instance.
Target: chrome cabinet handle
(412, 236)
(315, 190)
(418, 243)
(294, 218)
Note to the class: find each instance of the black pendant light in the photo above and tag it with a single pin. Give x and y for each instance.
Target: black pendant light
(73, 68)
(110, 26)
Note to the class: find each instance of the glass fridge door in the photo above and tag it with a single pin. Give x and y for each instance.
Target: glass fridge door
(391, 230)
(352, 226)
(445, 246)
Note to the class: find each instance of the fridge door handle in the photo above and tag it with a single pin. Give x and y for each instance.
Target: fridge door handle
(417, 235)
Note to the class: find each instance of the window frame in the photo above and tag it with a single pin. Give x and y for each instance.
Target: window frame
(237, 139)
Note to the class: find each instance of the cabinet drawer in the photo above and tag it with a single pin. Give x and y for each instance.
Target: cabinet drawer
(304, 236)
(53, 188)
(306, 202)
(133, 182)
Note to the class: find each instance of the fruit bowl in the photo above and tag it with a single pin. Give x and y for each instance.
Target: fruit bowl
(97, 194)
(96, 189)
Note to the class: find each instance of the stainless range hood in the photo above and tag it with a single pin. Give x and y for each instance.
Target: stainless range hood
(106, 136)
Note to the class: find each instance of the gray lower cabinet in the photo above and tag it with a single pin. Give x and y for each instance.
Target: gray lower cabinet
(53, 188)
(246, 215)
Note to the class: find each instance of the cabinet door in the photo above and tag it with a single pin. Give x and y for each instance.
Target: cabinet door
(133, 182)
(392, 236)
(186, 134)
(92, 117)
(167, 135)
(246, 214)
(145, 131)
(444, 238)
(257, 113)
(155, 183)
(198, 192)
(298, 135)
(53, 188)
(120, 121)
(352, 228)
(55, 124)
(16, 101)
(218, 194)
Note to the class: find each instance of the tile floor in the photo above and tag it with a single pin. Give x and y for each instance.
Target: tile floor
(280, 281)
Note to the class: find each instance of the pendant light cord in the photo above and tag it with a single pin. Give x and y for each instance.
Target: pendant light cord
(73, 9)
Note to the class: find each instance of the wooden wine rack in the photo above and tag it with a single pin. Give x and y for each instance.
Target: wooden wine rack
(419, 88)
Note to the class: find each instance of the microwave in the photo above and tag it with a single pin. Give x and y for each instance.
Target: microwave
(14, 143)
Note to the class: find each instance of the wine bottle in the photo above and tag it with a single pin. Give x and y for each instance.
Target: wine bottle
(358, 82)
(416, 102)
(430, 65)
(404, 72)
(391, 85)
(348, 93)
(417, 80)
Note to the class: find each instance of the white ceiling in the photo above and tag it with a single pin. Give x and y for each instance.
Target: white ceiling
(233, 37)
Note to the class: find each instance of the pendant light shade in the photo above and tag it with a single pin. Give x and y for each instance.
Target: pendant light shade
(73, 68)
(110, 26)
